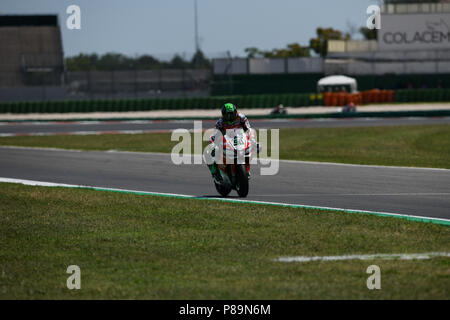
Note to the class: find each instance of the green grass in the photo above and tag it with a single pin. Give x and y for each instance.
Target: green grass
(131, 246)
(422, 146)
(419, 146)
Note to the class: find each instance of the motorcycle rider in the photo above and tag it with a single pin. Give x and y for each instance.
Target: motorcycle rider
(230, 119)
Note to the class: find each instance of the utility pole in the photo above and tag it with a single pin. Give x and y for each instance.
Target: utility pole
(229, 70)
(197, 45)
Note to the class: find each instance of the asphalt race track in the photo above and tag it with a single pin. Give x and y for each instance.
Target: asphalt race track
(21, 128)
(412, 191)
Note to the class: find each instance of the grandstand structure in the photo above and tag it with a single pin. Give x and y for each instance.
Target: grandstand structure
(32, 68)
(31, 51)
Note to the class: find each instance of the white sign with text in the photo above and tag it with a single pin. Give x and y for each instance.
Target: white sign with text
(414, 31)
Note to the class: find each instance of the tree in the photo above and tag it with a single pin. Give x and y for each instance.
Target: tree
(253, 52)
(178, 62)
(200, 61)
(116, 61)
(369, 34)
(82, 62)
(113, 61)
(146, 62)
(320, 43)
(292, 50)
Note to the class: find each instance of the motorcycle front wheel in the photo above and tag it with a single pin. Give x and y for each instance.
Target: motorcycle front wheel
(223, 190)
(241, 180)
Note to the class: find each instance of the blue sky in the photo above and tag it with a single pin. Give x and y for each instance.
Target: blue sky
(165, 27)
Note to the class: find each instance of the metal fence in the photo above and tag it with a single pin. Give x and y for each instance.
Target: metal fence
(41, 85)
(137, 83)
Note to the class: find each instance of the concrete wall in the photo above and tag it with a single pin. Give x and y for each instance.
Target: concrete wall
(357, 67)
(267, 66)
(230, 66)
(304, 65)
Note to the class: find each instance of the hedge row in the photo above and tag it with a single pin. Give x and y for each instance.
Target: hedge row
(422, 95)
(246, 101)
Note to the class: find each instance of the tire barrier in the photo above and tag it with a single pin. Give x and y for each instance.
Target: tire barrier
(360, 98)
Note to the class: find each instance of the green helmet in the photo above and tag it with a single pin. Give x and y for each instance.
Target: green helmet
(229, 112)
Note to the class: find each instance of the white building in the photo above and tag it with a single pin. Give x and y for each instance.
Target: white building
(414, 39)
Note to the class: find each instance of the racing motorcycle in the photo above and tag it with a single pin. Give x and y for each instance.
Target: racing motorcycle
(238, 147)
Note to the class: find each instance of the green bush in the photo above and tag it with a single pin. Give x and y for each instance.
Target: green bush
(13, 107)
(10, 108)
(143, 104)
(104, 105)
(204, 103)
(399, 96)
(138, 104)
(112, 106)
(446, 95)
(154, 104)
(419, 95)
(32, 105)
(299, 100)
(4, 107)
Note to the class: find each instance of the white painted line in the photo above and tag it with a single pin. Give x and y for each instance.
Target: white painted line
(354, 194)
(184, 121)
(38, 183)
(322, 119)
(355, 165)
(43, 149)
(394, 256)
(137, 122)
(386, 214)
(278, 120)
(55, 184)
(79, 150)
(398, 215)
(85, 133)
(87, 122)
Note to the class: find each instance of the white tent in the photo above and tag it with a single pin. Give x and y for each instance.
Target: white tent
(336, 82)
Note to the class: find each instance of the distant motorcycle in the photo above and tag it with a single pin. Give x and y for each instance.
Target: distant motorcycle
(238, 148)
(280, 109)
(350, 108)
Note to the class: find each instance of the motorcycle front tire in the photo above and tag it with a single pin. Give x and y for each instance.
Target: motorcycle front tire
(223, 190)
(241, 180)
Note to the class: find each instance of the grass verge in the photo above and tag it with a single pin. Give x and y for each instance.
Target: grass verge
(417, 146)
(131, 246)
